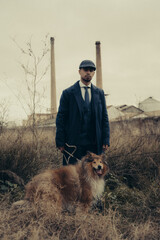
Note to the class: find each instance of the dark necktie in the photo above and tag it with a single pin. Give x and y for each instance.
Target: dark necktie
(86, 96)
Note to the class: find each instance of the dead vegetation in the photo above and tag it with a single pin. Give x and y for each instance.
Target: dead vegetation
(130, 207)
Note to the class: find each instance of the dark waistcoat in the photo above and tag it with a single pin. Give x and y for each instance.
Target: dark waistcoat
(86, 132)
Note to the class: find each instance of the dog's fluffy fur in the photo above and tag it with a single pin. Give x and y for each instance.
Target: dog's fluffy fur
(81, 183)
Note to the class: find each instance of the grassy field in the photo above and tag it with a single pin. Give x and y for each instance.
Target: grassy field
(130, 206)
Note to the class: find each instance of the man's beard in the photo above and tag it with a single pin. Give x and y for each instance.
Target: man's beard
(87, 79)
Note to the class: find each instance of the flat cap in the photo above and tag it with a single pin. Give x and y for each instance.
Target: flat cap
(87, 63)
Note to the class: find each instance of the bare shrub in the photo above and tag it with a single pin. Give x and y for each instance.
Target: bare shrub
(4, 106)
(17, 152)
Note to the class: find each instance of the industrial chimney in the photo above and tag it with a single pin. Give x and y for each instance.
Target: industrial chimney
(98, 65)
(53, 81)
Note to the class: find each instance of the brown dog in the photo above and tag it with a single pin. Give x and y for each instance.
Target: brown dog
(81, 183)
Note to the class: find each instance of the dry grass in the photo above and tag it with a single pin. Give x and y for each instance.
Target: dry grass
(28, 222)
(31, 222)
(130, 206)
(21, 155)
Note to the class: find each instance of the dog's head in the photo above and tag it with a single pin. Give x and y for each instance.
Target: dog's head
(95, 164)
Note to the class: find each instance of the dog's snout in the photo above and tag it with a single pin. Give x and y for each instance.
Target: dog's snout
(99, 167)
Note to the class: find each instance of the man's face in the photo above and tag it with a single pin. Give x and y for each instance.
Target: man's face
(86, 74)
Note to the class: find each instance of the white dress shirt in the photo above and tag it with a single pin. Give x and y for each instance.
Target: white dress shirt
(82, 85)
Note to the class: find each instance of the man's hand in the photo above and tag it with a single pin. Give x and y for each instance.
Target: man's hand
(105, 147)
(61, 149)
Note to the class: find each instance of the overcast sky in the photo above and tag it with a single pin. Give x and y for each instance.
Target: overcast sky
(129, 32)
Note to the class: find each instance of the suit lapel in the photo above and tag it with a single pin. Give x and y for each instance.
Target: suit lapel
(78, 96)
(95, 97)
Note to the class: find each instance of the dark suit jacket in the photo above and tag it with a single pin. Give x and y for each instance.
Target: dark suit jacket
(69, 117)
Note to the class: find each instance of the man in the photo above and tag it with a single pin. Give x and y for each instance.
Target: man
(82, 121)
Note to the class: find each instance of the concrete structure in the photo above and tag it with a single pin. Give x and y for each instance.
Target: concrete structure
(149, 105)
(11, 124)
(53, 81)
(114, 113)
(141, 115)
(98, 66)
(130, 109)
(153, 114)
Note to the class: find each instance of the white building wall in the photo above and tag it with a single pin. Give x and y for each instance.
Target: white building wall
(150, 105)
(114, 113)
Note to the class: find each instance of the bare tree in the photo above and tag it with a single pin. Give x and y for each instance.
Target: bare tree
(34, 71)
(3, 114)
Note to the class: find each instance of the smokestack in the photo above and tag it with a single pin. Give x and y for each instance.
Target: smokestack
(98, 65)
(53, 81)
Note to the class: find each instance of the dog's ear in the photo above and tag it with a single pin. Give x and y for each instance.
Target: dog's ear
(89, 154)
(88, 157)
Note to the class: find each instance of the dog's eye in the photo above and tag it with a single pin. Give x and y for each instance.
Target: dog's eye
(94, 162)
